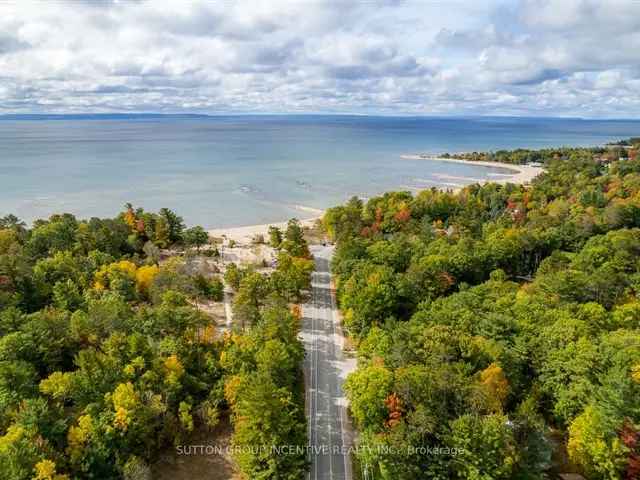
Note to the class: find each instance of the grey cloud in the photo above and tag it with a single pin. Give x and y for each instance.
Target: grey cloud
(538, 76)
(10, 44)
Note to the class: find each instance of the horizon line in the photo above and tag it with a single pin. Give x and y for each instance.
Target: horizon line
(41, 115)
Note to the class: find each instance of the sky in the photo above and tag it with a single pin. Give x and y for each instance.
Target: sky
(576, 58)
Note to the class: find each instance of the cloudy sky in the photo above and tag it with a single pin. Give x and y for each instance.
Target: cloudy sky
(487, 57)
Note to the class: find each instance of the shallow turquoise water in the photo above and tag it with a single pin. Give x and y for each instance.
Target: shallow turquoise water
(239, 170)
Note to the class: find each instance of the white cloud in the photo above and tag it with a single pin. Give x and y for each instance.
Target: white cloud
(541, 57)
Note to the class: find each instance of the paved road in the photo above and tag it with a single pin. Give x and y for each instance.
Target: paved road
(325, 368)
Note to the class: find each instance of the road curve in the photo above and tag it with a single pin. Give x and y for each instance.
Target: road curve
(325, 368)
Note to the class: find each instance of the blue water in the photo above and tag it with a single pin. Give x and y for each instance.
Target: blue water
(239, 170)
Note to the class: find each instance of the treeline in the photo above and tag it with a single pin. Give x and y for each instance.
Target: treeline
(522, 156)
(498, 326)
(106, 360)
(629, 142)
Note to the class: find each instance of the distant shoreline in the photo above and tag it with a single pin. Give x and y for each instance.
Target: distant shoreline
(522, 174)
(124, 115)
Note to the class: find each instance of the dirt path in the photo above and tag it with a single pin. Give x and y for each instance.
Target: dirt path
(203, 456)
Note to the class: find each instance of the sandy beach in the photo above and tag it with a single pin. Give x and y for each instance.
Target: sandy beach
(246, 234)
(522, 174)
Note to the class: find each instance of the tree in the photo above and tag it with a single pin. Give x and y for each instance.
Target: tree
(343, 222)
(567, 374)
(145, 276)
(265, 419)
(233, 276)
(367, 389)
(488, 445)
(368, 296)
(18, 380)
(251, 295)
(62, 267)
(195, 237)
(162, 233)
(55, 235)
(275, 236)
(594, 445)
(496, 386)
(292, 275)
(67, 295)
(18, 453)
(152, 252)
(108, 235)
(12, 222)
(212, 289)
(275, 359)
(119, 277)
(294, 242)
(175, 225)
(216, 289)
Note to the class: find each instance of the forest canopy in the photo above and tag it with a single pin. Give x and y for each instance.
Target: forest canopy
(106, 358)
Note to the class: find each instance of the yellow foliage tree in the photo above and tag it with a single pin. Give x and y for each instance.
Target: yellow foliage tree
(103, 275)
(496, 385)
(208, 334)
(231, 387)
(174, 367)
(46, 470)
(130, 218)
(14, 434)
(78, 437)
(125, 400)
(144, 278)
(57, 385)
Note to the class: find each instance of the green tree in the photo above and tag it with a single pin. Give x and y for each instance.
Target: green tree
(367, 389)
(55, 235)
(294, 242)
(370, 295)
(292, 276)
(275, 236)
(343, 222)
(488, 446)
(265, 418)
(233, 276)
(195, 237)
(251, 295)
(175, 225)
(595, 446)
